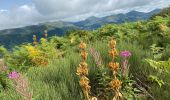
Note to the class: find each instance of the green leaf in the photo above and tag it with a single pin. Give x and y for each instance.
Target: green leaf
(156, 79)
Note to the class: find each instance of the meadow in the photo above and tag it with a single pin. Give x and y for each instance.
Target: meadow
(129, 61)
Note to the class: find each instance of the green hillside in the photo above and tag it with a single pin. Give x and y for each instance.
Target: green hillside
(11, 37)
(136, 68)
(164, 12)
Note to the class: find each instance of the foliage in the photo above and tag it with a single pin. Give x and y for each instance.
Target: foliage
(161, 67)
(25, 56)
(145, 78)
(157, 51)
(164, 12)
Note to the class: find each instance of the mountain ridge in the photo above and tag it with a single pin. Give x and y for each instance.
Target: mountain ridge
(117, 19)
(10, 37)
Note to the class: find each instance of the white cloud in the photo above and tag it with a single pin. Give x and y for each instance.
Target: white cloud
(21, 16)
(71, 10)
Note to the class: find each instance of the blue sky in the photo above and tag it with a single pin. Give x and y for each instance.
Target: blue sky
(9, 4)
(19, 13)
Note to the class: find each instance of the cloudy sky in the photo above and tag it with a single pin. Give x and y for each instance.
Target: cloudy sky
(19, 13)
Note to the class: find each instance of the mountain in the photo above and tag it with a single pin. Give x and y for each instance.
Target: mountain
(11, 37)
(95, 22)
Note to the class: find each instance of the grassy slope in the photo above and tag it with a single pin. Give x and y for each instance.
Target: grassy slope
(58, 81)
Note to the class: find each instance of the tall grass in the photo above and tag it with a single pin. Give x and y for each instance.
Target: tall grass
(55, 82)
(58, 80)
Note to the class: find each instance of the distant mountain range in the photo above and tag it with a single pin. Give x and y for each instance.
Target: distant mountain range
(94, 22)
(10, 37)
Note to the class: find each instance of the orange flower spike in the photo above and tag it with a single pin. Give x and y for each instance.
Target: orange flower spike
(82, 71)
(113, 53)
(112, 43)
(114, 66)
(83, 64)
(115, 84)
(84, 83)
(84, 55)
(82, 45)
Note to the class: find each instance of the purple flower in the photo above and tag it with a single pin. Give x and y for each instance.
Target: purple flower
(13, 75)
(126, 54)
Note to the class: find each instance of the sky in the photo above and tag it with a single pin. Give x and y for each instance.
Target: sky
(19, 13)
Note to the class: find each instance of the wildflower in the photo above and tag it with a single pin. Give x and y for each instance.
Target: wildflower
(34, 39)
(84, 64)
(82, 70)
(13, 75)
(125, 68)
(115, 84)
(82, 45)
(113, 53)
(114, 66)
(45, 34)
(84, 83)
(112, 43)
(21, 85)
(84, 55)
(32, 51)
(97, 57)
(126, 54)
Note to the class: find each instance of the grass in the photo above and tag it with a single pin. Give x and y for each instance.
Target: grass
(58, 80)
(55, 82)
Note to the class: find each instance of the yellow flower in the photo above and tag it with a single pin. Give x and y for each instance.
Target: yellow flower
(112, 43)
(82, 70)
(84, 83)
(113, 53)
(84, 55)
(32, 51)
(82, 45)
(114, 66)
(36, 56)
(115, 84)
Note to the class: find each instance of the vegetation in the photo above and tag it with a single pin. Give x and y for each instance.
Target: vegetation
(134, 66)
(164, 13)
(18, 36)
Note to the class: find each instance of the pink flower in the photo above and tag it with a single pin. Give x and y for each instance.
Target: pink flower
(13, 75)
(126, 54)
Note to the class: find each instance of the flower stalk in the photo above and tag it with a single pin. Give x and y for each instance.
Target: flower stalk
(114, 67)
(45, 34)
(97, 57)
(125, 63)
(34, 40)
(21, 85)
(82, 72)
